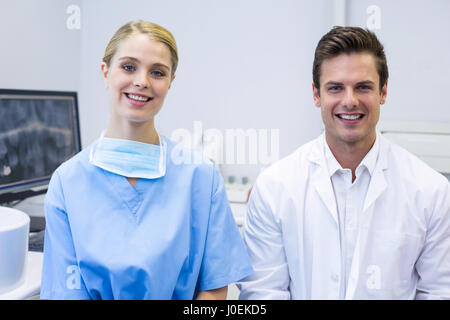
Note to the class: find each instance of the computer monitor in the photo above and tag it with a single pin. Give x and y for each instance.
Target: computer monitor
(39, 130)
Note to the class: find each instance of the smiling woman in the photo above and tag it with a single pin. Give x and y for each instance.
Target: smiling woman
(138, 68)
(138, 78)
(124, 218)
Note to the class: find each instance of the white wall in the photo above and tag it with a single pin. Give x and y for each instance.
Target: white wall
(38, 51)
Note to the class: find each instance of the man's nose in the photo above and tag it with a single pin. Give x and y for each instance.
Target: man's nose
(350, 99)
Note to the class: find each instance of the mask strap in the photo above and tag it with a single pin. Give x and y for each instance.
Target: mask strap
(91, 152)
(162, 155)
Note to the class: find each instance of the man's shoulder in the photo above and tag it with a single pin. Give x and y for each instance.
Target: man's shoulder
(410, 168)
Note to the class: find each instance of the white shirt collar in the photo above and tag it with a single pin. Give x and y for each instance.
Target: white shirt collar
(368, 162)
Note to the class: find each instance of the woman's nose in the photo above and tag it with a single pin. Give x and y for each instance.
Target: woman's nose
(141, 81)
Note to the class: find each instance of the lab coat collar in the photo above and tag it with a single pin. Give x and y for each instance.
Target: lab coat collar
(378, 181)
(380, 148)
(332, 164)
(322, 181)
(321, 178)
(368, 161)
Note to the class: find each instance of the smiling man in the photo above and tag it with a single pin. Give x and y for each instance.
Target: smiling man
(350, 100)
(349, 215)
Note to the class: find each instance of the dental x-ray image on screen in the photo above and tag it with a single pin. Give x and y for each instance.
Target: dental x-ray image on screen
(38, 131)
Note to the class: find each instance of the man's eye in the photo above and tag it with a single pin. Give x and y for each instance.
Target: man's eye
(128, 68)
(335, 88)
(364, 87)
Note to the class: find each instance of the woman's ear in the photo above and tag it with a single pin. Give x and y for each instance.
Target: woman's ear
(173, 78)
(104, 69)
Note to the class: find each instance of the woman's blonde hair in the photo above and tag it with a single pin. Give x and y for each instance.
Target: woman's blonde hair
(154, 31)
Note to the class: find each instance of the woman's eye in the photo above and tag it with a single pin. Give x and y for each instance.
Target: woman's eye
(128, 68)
(157, 73)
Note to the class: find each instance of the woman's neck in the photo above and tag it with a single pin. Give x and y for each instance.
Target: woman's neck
(137, 131)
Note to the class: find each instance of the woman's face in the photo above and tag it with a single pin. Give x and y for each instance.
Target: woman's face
(138, 78)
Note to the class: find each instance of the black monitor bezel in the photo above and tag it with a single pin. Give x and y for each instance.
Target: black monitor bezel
(8, 197)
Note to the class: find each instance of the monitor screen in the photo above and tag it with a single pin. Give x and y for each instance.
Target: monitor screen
(39, 130)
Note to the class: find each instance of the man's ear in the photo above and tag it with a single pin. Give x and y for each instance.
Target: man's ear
(104, 68)
(316, 95)
(384, 93)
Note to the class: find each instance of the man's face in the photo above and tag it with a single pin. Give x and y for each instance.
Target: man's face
(350, 99)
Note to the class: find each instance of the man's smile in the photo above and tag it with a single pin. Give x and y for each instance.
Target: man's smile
(350, 118)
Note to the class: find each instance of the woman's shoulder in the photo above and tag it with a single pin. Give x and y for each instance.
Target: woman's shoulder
(181, 155)
(75, 165)
(182, 161)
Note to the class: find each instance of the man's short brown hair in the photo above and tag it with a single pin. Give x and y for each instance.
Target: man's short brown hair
(349, 40)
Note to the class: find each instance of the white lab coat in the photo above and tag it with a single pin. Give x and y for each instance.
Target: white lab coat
(292, 233)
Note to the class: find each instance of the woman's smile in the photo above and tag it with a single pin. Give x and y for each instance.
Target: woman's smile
(137, 100)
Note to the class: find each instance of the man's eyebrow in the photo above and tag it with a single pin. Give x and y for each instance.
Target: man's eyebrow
(333, 83)
(137, 60)
(336, 83)
(366, 82)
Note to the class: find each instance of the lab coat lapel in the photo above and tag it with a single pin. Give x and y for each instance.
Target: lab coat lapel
(322, 180)
(378, 182)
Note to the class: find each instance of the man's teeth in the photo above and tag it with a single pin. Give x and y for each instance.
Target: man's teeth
(350, 117)
(137, 98)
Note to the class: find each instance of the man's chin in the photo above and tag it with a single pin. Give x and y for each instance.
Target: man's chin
(352, 138)
(358, 138)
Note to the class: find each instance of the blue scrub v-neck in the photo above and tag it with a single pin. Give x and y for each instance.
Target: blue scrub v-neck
(125, 191)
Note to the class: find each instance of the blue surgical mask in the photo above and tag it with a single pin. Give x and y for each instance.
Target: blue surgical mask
(129, 158)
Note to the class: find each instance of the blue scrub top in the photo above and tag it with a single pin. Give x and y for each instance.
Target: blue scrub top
(166, 238)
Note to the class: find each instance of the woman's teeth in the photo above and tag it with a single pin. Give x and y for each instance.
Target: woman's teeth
(137, 98)
(350, 117)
